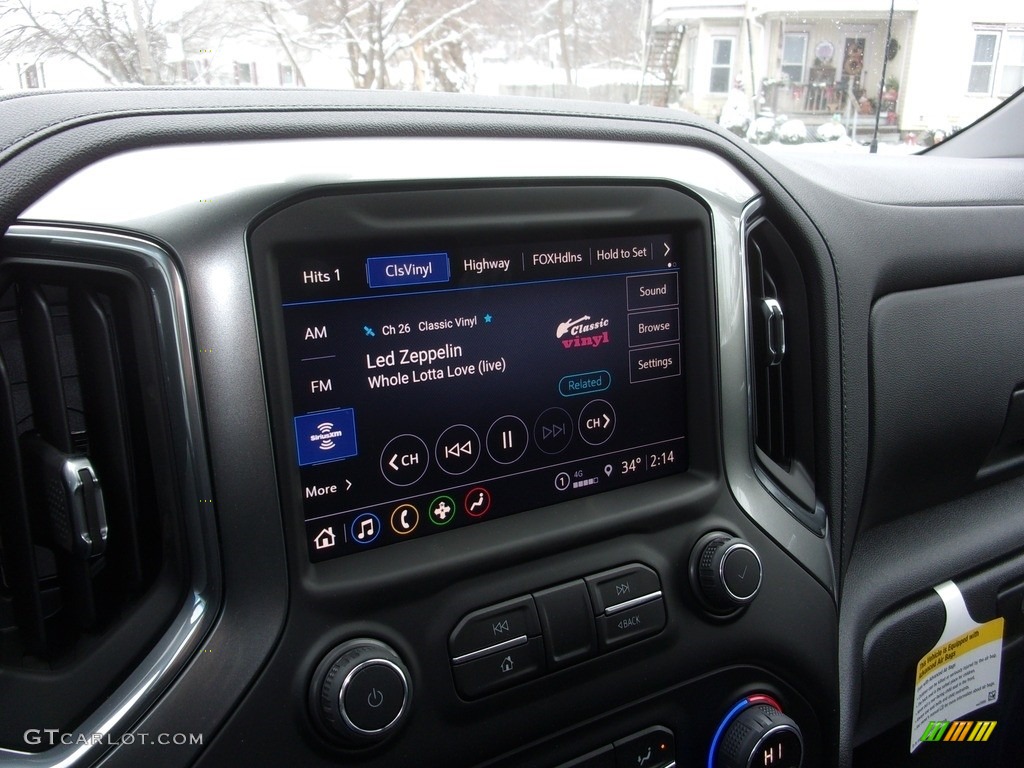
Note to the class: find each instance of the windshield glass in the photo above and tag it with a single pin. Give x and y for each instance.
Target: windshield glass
(823, 75)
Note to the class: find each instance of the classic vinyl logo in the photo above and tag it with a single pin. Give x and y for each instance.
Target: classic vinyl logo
(582, 332)
(958, 730)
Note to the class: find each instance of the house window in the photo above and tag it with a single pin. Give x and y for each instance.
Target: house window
(31, 76)
(721, 64)
(286, 74)
(1011, 64)
(984, 62)
(245, 73)
(794, 56)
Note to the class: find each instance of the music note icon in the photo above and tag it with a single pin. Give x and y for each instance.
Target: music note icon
(365, 528)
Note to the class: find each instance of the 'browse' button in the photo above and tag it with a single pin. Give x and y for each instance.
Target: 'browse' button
(415, 269)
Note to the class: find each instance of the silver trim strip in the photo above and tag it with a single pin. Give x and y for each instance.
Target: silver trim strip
(515, 642)
(155, 268)
(642, 600)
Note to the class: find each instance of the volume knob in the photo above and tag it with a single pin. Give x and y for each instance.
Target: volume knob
(360, 692)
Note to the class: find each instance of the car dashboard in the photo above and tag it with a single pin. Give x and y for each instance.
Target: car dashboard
(452, 432)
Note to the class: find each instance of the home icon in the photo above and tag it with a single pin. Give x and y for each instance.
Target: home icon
(507, 664)
(325, 539)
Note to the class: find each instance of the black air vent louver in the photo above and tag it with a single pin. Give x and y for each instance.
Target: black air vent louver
(782, 390)
(91, 527)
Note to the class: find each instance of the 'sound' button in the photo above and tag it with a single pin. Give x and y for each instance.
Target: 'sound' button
(597, 422)
(404, 460)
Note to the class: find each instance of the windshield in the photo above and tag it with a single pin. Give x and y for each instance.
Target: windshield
(822, 75)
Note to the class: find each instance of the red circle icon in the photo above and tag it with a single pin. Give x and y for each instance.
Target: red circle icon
(477, 502)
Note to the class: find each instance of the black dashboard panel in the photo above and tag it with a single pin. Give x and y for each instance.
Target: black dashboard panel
(589, 678)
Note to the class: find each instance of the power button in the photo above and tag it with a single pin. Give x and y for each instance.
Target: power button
(373, 696)
(360, 693)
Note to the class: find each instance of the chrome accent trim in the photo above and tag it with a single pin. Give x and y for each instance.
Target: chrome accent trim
(642, 600)
(806, 541)
(776, 342)
(155, 268)
(515, 642)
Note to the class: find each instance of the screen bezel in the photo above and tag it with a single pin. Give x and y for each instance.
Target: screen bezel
(538, 210)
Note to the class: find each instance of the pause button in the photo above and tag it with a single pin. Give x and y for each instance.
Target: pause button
(507, 439)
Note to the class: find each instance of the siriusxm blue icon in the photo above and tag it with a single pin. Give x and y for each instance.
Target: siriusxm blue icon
(325, 436)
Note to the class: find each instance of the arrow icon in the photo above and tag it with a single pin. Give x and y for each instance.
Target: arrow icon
(607, 420)
(348, 485)
(667, 249)
(392, 463)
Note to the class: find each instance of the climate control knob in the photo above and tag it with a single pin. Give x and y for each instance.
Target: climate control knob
(759, 736)
(725, 571)
(360, 692)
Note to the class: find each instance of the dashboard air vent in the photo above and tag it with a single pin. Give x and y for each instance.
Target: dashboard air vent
(782, 391)
(94, 565)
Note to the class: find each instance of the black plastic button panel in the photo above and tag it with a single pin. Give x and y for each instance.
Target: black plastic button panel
(651, 748)
(517, 640)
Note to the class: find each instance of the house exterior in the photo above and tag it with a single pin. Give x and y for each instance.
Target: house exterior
(948, 63)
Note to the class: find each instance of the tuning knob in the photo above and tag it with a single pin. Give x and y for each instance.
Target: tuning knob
(756, 734)
(360, 692)
(725, 572)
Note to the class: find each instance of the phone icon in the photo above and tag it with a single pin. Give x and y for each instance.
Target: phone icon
(404, 519)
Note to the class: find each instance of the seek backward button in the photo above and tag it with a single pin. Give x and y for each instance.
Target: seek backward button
(491, 626)
(457, 449)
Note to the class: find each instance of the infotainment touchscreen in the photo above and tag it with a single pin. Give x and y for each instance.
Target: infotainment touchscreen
(447, 384)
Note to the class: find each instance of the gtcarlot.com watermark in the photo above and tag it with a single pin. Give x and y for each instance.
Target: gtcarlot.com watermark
(52, 737)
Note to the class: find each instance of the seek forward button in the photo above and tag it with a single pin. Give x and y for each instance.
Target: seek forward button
(553, 430)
